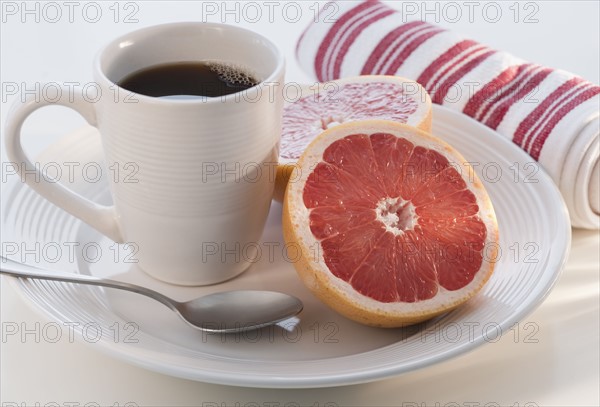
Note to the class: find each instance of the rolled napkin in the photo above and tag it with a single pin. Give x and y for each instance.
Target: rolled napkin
(551, 114)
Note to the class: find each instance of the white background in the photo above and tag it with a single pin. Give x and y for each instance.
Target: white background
(562, 369)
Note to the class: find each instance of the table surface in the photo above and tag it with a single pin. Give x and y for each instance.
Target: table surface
(56, 41)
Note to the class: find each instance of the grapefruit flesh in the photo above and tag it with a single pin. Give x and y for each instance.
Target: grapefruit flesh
(351, 99)
(393, 224)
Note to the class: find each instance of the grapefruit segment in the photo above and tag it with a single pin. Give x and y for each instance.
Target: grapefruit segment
(344, 253)
(457, 205)
(422, 165)
(328, 104)
(355, 156)
(416, 279)
(327, 221)
(391, 154)
(329, 185)
(392, 231)
(446, 182)
(375, 275)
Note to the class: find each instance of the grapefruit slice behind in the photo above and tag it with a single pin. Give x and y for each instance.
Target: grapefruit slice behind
(328, 104)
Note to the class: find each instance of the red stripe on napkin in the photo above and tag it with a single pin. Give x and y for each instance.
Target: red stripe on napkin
(453, 53)
(540, 140)
(518, 91)
(339, 57)
(410, 48)
(339, 28)
(440, 94)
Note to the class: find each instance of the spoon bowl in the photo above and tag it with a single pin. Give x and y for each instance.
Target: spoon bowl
(236, 311)
(222, 312)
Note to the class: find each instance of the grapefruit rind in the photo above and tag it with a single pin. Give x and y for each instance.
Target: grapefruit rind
(420, 119)
(339, 294)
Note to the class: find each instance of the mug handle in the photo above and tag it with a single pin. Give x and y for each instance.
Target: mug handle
(100, 217)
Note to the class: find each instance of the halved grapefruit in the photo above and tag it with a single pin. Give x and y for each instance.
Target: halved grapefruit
(393, 225)
(328, 104)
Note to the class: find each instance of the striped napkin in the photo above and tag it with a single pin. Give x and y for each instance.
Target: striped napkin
(551, 114)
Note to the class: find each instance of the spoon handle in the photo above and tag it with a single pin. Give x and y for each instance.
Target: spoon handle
(16, 269)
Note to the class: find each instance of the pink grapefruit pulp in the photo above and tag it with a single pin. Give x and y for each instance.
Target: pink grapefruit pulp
(328, 104)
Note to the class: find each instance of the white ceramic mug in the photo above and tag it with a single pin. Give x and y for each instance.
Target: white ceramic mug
(203, 181)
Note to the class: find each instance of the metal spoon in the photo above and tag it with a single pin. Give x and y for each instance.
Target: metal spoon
(229, 311)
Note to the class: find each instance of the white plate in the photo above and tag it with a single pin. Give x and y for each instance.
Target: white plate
(322, 348)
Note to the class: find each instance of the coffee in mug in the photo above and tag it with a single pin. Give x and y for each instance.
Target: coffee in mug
(189, 79)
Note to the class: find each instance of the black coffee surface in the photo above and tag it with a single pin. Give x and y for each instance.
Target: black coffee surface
(184, 79)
